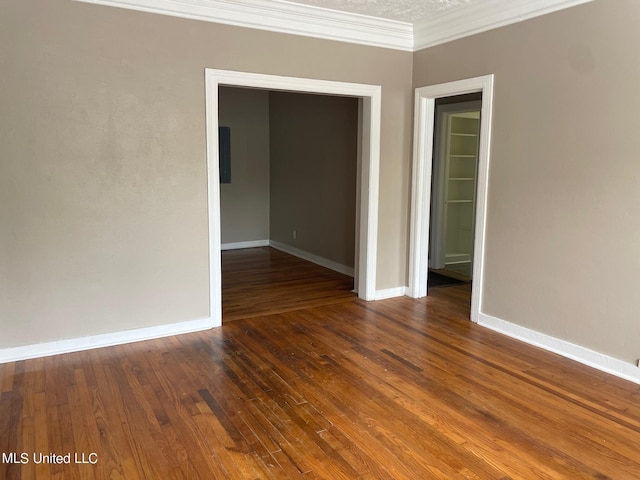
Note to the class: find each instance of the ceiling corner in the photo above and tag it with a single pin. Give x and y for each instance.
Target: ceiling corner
(480, 17)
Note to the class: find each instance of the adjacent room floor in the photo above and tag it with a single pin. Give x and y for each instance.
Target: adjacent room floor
(276, 282)
(392, 389)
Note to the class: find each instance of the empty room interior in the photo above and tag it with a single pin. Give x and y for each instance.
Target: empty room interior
(290, 188)
(319, 239)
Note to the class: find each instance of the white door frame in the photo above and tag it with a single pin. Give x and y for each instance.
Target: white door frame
(369, 166)
(424, 112)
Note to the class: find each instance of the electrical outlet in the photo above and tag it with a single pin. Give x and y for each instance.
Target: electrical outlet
(295, 234)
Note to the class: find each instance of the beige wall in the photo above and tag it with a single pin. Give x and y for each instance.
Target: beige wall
(313, 173)
(293, 167)
(102, 160)
(244, 203)
(563, 227)
(103, 209)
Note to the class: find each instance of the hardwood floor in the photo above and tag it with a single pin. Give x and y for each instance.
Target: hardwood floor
(393, 389)
(276, 282)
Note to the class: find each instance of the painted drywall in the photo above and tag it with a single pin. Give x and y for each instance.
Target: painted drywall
(103, 184)
(244, 203)
(563, 226)
(313, 173)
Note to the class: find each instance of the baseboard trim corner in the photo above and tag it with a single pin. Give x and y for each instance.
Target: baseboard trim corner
(26, 352)
(247, 244)
(591, 358)
(313, 258)
(391, 293)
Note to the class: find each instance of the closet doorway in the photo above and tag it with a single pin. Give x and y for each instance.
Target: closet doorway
(423, 152)
(453, 189)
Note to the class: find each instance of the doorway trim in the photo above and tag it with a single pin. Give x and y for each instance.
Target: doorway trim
(370, 100)
(424, 112)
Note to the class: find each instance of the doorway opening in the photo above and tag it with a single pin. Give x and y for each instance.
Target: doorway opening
(368, 152)
(453, 189)
(290, 192)
(423, 177)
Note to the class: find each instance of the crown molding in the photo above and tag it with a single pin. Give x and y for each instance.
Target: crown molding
(479, 17)
(312, 21)
(296, 19)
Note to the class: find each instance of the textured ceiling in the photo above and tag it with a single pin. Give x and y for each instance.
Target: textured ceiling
(409, 11)
(400, 24)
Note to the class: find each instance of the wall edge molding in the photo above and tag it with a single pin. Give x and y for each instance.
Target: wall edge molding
(586, 356)
(46, 349)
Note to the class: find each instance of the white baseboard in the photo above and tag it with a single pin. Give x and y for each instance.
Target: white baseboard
(249, 244)
(26, 352)
(602, 362)
(310, 257)
(391, 293)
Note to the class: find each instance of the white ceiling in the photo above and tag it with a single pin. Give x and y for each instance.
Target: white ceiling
(409, 11)
(399, 24)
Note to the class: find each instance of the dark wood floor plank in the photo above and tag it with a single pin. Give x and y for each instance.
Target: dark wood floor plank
(4, 376)
(8, 370)
(10, 431)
